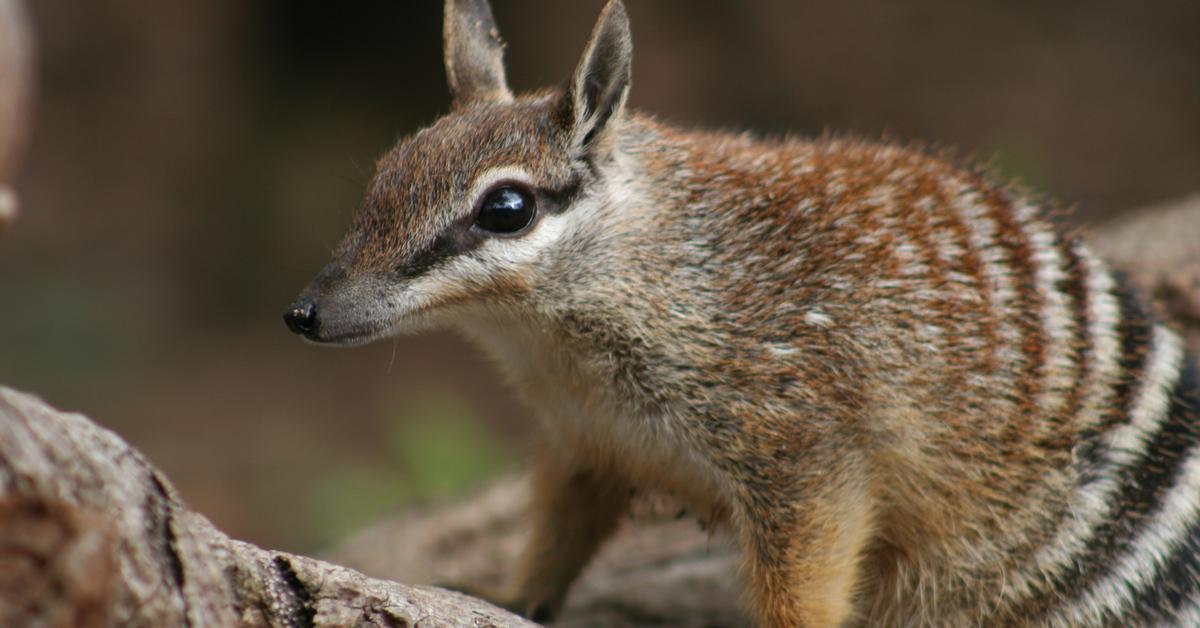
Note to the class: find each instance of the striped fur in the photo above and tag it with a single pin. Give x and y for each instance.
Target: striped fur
(914, 398)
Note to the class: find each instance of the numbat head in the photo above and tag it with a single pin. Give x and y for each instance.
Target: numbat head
(914, 400)
(492, 204)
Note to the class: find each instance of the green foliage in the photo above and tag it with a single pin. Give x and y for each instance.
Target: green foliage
(351, 496)
(443, 447)
(435, 447)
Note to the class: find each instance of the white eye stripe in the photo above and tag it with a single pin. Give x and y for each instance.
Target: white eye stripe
(455, 278)
(494, 255)
(490, 177)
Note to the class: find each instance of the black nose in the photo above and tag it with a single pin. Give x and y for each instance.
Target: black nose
(301, 318)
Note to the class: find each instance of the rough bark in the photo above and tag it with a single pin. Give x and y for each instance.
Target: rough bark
(92, 534)
(16, 87)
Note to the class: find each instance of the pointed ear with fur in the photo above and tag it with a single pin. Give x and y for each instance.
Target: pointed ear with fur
(474, 53)
(596, 97)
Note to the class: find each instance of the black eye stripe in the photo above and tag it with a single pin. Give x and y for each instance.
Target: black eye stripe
(459, 238)
(557, 200)
(463, 236)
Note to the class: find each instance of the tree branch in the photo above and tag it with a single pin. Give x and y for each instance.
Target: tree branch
(92, 535)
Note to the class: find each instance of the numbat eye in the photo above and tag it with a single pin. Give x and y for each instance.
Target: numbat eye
(507, 209)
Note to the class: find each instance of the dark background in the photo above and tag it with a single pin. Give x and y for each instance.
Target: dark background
(193, 163)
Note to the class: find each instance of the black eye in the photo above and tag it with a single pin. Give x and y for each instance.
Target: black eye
(507, 209)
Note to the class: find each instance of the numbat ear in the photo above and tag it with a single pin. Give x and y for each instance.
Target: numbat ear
(596, 96)
(474, 53)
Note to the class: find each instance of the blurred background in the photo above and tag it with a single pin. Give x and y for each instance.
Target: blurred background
(193, 163)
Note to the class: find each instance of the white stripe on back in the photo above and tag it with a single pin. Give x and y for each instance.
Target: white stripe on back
(1058, 323)
(1088, 508)
(1178, 509)
(997, 269)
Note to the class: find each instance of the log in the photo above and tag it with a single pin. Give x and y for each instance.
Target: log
(91, 534)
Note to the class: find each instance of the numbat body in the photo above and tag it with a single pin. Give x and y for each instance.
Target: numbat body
(913, 398)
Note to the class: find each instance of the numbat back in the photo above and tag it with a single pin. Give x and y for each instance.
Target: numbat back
(914, 399)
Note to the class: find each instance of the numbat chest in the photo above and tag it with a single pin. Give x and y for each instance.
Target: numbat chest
(916, 399)
(632, 436)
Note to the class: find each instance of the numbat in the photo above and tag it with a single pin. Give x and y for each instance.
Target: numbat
(914, 399)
